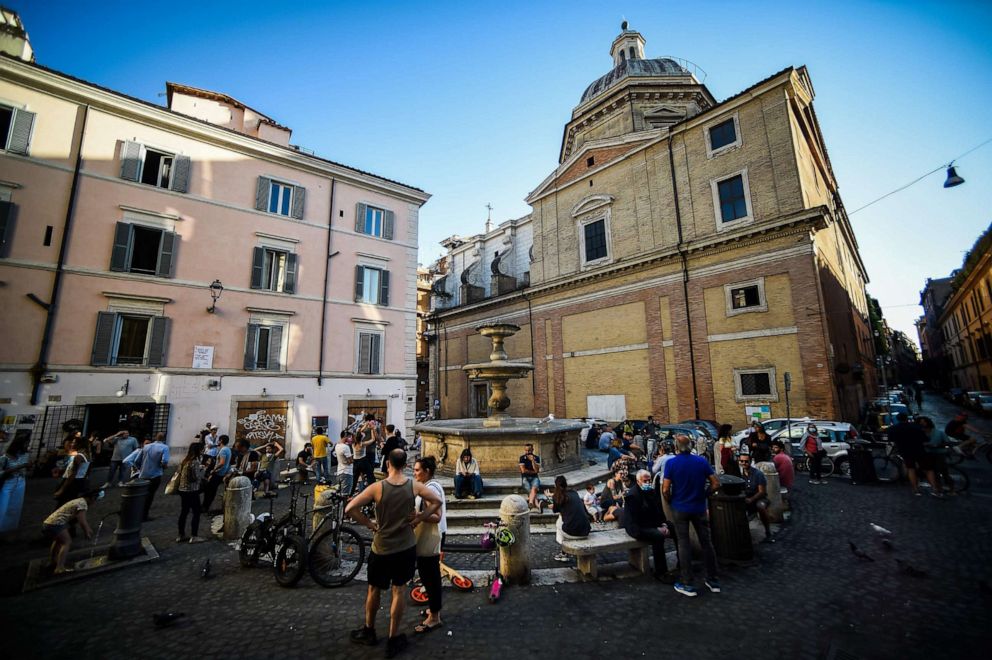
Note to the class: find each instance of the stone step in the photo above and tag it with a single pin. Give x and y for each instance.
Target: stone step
(577, 479)
(478, 517)
(487, 501)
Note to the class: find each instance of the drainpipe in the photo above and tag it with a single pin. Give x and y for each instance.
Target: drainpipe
(533, 358)
(327, 275)
(41, 366)
(685, 275)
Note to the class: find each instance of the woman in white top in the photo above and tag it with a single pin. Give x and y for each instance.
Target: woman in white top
(430, 538)
(468, 479)
(75, 479)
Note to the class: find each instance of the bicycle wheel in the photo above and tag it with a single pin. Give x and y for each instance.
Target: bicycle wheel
(954, 457)
(252, 542)
(291, 559)
(887, 469)
(843, 468)
(826, 466)
(800, 464)
(336, 557)
(959, 478)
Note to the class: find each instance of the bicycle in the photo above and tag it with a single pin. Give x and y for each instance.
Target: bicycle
(801, 464)
(333, 553)
(262, 536)
(890, 467)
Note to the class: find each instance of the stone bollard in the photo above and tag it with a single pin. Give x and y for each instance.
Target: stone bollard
(237, 507)
(774, 490)
(514, 560)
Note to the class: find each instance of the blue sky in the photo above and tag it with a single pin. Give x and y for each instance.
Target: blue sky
(468, 100)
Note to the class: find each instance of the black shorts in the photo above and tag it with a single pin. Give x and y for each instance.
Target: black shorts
(917, 461)
(396, 568)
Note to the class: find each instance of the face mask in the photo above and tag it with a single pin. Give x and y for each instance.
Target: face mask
(645, 486)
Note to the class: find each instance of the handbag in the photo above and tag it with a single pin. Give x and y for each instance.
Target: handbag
(172, 487)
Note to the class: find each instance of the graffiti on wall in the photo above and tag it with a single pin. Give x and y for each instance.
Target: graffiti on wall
(260, 422)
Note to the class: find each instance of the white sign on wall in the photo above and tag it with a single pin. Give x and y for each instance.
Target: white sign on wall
(757, 413)
(611, 407)
(203, 357)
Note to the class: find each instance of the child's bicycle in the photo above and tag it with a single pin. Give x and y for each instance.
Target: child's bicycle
(418, 593)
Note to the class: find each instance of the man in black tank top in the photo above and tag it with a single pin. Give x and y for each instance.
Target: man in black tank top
(393, 559)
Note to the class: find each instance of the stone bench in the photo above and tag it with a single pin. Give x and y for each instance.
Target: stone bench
(586, 550)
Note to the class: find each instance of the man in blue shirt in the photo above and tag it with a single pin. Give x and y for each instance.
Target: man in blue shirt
(151, 462)
(684, 487)
(755, 497)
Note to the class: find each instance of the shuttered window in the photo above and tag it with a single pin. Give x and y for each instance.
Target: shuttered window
(280, 198)
(371, 285)
(263, 347)
(129, 339)
(154, 167)
(369, 353)
(374, 221)
(273, 270)
(15, 129)
(141, 249)
(6, 226)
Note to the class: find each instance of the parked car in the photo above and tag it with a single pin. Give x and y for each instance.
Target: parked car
(973, 398)
(638, 425)
(836, 438)
(699, 436)
(771, 426)
(711, 426)
(984, 403)
(956, 395)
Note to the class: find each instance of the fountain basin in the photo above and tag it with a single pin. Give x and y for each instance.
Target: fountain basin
(498, 448)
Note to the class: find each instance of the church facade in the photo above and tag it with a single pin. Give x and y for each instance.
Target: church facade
(686, 255)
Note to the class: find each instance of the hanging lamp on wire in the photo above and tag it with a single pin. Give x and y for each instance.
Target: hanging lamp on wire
(952, 177)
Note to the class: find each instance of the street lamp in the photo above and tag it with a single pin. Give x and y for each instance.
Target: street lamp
(216, 288)
(952, 177)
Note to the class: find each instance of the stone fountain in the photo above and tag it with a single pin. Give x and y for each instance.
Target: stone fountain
(497, 441)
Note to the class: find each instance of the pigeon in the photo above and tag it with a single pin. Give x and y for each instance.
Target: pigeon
(910, 570)
(206, 572)
(166, 619)
(881, 531)
(860, 554)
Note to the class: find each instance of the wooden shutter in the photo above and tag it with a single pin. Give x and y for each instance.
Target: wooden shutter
(180, 173)
(103, 339)
(250, 340)
(360, 211)
(375, 352)
(166, 252)
(262, 190)
(156, 347)
(120, 255)
(289, 282)
(275, 348)
(131, 161)
(388, 219)
(257, 265)
(384, 287)
(359, 282)
(299, 201)
(20, 132)
(6, 225)
(364, 352)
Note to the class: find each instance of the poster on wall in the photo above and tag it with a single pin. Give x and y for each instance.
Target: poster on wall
(757, 413)
(203, 357)
(318, 421)
(261, 422)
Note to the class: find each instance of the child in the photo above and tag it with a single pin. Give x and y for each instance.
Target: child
(56, 527)
(591, 502)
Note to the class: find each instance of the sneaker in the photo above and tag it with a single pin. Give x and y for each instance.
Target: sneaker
(939, 496)
(472, 497)
(106, 484)
(686, 589)
(364, 635)
(120, 484)
(180, 539)
(394, 645)
(197, 539)
(713, 585)
(812, 482)
(561, 556)
(917, 493)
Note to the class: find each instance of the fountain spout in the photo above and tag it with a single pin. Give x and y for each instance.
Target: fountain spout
(497, 372)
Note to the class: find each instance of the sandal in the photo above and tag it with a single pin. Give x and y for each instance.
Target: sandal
(423, 628)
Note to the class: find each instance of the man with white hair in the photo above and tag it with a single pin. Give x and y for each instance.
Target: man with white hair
(644, 519)
(684, 487)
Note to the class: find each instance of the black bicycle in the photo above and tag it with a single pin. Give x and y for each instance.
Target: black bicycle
(262, 537)
(891, 467)
(333, 552)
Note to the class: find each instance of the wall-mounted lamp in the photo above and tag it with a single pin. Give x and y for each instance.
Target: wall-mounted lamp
(124, 388)
(265, 392)
(216, 288)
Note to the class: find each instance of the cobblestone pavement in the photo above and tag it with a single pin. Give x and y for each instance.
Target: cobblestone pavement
(808, 597)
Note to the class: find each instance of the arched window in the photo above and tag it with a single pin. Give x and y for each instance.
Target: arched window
(633, 53)
(623, 57)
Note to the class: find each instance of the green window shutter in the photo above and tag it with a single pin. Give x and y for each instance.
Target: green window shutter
(6, 226)
(299, 201)
(275, 348)
(360, 210)
(359, 282)
(388, 219)
(250, 340)
(20, 132)
(289, 282)
(103, 339)
(262, 190)
(120, 255)
(384, 288)
(180, 173)
(156, 347)
(166, 254)
(131, 160)
(364, 352)
(257, 264)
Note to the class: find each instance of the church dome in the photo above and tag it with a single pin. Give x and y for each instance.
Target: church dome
(635, 68)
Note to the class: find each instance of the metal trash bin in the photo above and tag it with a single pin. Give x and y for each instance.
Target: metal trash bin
(862, 463)
(728, 521)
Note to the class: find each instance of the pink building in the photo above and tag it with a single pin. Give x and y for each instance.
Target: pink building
(117, 216)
